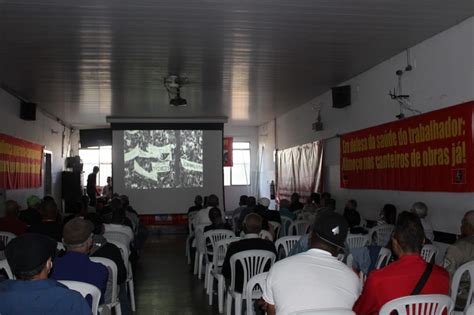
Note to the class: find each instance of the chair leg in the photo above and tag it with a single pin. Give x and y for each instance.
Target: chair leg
(210, 288)
(249, 306)
(131, 291)
(196, 255)
(188, 255)
(118, 309)
(201, 256)
(206, 276)
(229, 303)
(220, 294)
(238, 304)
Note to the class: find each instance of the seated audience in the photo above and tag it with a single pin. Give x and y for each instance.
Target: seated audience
(76, 210)
(242, 205)
(265, 213)
(325, 196)
(314, 279)
(108, 189)
(197, 204)
(251, 206)
(130, 213)
(295, 203)
(460, 253)
(252, 227)
(10, 222)
(353, 218)
(30, 257)
(315, 199)
(31, 215)
(421, 210)
(202, 217)
(388, 215)
(215, 215)
(75, 263)
(401, 277)
(118, 215)
(285, 209)
(50, 224)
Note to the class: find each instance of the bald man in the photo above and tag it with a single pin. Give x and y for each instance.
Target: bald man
(460, 253)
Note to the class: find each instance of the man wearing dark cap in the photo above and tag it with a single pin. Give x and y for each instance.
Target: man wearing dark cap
(314, 279)
(75, 264)
(30, 258)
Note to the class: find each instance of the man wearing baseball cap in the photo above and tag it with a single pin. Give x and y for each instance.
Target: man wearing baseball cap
(314, 279)
(30, 258)
(76, 265)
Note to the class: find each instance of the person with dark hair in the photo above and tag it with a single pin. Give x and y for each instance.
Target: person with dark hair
(197, 204)
(92, 186)
(76, 210)
(49, 225)
(388, 215)
(30, 257)
(325, 196)
(421, 210)
(108, 190)
(252, 227)
(404, 276)
(251, 206)
(31, 215)
(353, 218)
(295, 203)
(10, 222)
(314, 279)
(243, 200)
(202, 217)
(285, 209)
(215, 215)
(315, 198)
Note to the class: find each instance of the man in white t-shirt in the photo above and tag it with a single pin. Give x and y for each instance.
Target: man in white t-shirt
(202, 217)
(314, 279)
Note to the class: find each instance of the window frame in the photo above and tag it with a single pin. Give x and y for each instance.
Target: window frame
(231, 167)
(99, 164)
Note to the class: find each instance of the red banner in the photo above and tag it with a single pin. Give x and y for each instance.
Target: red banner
(428, 152)
(228, 160)
(20, 163)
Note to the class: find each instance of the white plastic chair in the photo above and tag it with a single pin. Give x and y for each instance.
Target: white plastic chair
(285, 224)
(264, 234)
(428, 252)
(119, 228)
(326, 311)
(201, 250)
(298, 227)
(5, 266)
(287, 242)
(218, 256)
(191, 217)
(119, 237)
(6, 237)
(253, 262)
(254, 290)
(383, 234)
(276, 226)
(383, 258)
(112, 268)
(357, 240)
(85, 289)
(213, 237)
(470, 310)
(425, 304)
(456, 280)
(60, 246)
(128, 265)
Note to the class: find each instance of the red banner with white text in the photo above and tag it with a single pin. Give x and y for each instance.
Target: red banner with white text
(20, 163)
(428, 152)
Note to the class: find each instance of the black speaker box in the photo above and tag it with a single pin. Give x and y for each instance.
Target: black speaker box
(71, 188)
(28, 111)
(341, 96)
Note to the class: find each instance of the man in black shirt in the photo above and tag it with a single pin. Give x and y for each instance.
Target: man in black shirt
(197, 204)
(295, 203)
(252, 227)
(91, 186)
(49, 226)
(31, 215)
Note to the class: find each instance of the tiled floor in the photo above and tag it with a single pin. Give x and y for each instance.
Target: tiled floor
(164, 282)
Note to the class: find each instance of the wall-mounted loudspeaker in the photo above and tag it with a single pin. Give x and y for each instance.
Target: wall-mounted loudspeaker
(341, 96)
(28, 111)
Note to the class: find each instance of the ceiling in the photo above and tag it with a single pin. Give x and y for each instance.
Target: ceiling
(248, 60)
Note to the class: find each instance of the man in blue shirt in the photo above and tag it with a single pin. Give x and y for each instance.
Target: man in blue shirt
(30, 258)
(75, 264)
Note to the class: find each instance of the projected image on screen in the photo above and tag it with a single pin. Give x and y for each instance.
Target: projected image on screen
(163, 159)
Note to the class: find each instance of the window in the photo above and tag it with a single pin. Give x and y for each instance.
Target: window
(239, 174)
(97, 156)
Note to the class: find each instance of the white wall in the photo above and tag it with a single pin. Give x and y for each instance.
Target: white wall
(44, 131)
(443, 75)
(233, 193)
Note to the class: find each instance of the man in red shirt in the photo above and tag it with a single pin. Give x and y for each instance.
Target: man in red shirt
(400, 278)
(10, 222)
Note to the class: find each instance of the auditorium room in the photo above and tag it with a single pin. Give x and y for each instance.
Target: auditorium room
(236, 157)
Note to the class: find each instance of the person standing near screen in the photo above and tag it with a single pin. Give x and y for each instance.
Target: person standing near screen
(91, 186)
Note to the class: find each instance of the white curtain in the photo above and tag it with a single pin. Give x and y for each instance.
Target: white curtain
(299, 170)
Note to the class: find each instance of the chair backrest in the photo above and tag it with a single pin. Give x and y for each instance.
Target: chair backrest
(383, 258)
(254, 289)
(215, 236)
(125, 254)
(382, 234)
(285, 224)
(298, 227)
(5, 266)
(326, 311)
(60, 246)
(428, 252)
(118, 236)
(252, 261)
(456, 280)
(264, 234)
(220, 250)
(119, 228)
(425, 304)
(357, 240)
(112, 268)
(470, 310)
(85, 289)
(276, 228)
(191, 217)
(287, 242)
(6, 237)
